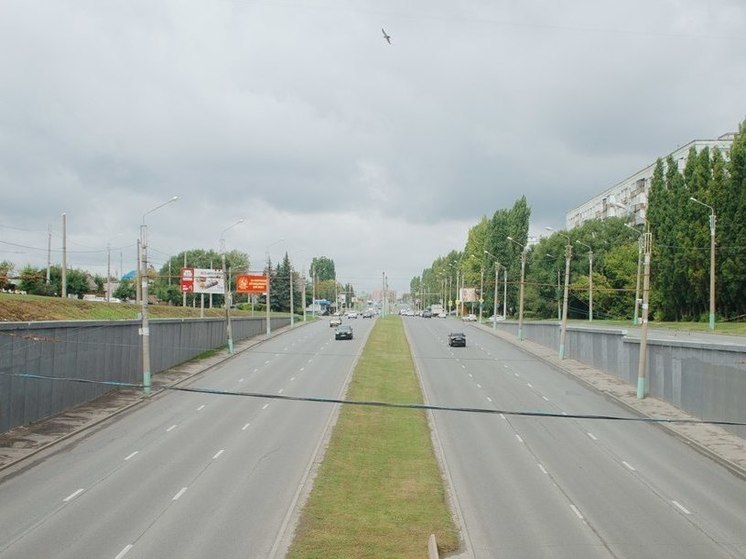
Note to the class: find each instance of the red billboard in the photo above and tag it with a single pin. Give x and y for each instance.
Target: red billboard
(251, 283)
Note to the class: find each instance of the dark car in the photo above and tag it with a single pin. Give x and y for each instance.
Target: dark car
(368, 314)
(343, 333)
(457, 339)
(427, 314)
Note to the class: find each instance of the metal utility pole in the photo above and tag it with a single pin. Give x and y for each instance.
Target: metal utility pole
(494, 306)
(108, 272)
(183, 294)
(523, 278)
(647, 240)
(292, 310)
(712, 260)
(563, 328)
(304, 294)
(49, 252)
(64, 256)
(227, 304)
(590, 280)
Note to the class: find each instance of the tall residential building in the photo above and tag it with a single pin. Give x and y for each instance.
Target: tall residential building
(630, 196)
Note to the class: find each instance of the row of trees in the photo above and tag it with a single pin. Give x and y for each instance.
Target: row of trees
(165, 282)
(680, 260)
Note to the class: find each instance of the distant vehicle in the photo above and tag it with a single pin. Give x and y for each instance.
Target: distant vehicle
(343, 333)
(457, 339)
(496, 318)
(368, 314)
(352, 314)
(336, 321)
(469, 318)
(442, 315)
(436, 309)
(427, 314)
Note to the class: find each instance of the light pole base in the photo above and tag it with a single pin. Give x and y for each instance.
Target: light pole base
(520, 335)
(641, 388)
(230, 346)
(146, 383)
(562, 351)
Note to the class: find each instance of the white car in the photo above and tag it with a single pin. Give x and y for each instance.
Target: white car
(352, 314)
(469, 318)
(494, 318)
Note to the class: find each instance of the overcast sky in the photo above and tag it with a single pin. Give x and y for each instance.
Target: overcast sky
(299, 118)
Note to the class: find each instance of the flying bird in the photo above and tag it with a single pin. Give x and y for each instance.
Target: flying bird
(386, 36)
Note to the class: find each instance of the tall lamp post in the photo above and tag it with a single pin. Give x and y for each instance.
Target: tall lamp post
(635, 319)
(590, 280)
(563, 327)
(712, 260)
(523, 284)
(269, 281)
(227, 293)
(145, 327)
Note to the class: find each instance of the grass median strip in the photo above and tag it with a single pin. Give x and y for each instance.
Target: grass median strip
(379, 491)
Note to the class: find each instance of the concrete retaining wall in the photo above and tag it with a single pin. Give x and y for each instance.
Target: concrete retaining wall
(97, 351)
(707, 380)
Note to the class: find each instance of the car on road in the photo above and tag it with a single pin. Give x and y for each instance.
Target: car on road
(495, 318)
(457, 339)
(469, 318)
(368, 314)
(442, 315)
(336, 321)
(343, 333)
(352, 314)
(427, 314)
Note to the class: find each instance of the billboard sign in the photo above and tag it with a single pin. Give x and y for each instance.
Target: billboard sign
(203, 280)
(251, 283)
(468, 295)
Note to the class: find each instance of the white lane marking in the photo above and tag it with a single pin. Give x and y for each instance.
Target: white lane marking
(240, 380)
(530, 385)
(681, 507)
(471, 376)
(310, 360)
(543, 469)
(545, 398)
(171, 428)
(463, 366)
(302, 368)
(629, 466)
(255, 371)
(517, 436)
(503, 416)
(124, 551)
(218, 453)
(479, 385)
(564, 413)
(179, 494)
(265, 406)
(292, 379)
(201, 407)
(132, 455)
(516, 375)
(266, 362)
(576, 511)
(592, 436)
(489, 399)
(73, 495)
(281, 390)
(284, 349)
(245, 427)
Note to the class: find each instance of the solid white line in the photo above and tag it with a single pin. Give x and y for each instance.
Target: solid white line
(245, 427)
(124, 551)
(592, 436)
(629, 466)
(576, 511)
(543, 469)
(517, 436)
(179, 494)
(265, 406)
(217, 454)
(171, 428)
(681, 507)
(132, 455)
(73, 495)
(201, 407)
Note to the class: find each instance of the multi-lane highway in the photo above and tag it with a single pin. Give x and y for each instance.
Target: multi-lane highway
(556, 487)
(187, 474)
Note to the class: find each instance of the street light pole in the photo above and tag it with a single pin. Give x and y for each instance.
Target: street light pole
(227, 293)
(145, 326)
(590, 280)
(523, 283)
(269, 281)
(563, 327)
(635, 320)
(712, 260)
(647, 240)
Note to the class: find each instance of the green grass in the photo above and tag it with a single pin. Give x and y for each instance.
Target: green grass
(379, 492)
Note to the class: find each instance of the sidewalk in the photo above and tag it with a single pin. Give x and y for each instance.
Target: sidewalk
(712, 440)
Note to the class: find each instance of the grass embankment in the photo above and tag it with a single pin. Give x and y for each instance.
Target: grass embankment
(29, 308)
(379, 491)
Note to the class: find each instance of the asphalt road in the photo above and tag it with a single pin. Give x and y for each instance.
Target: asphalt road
(554, 487)
(188, 475)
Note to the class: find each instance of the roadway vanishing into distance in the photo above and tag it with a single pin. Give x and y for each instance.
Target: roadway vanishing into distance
(529, 487)
(192, 475)
(188, 475)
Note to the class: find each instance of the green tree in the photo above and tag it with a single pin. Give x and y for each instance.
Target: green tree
(6, 272)
(323, 268)
(125, 291)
